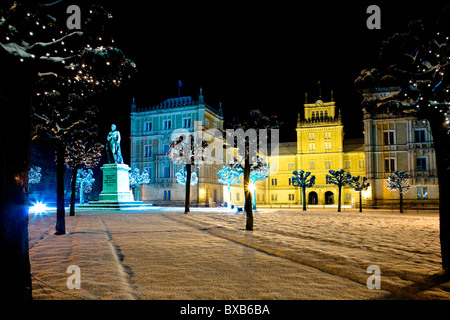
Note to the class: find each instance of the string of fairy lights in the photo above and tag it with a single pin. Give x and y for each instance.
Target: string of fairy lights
(90, 63)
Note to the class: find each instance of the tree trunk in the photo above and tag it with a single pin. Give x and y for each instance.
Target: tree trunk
(360, 201)
(229, 197)
(74, 190)
(188, 188)
(304, 198)
(401, 201)
(442, 149)
(248, 196)
(339, 199)
(60, 212)
(15, 136)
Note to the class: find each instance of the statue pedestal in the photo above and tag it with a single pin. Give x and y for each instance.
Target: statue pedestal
(116, 185)
(116, 192)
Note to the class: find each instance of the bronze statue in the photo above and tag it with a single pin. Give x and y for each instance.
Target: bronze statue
(113, 151)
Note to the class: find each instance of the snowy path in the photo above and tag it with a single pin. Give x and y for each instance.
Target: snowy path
(205, 255)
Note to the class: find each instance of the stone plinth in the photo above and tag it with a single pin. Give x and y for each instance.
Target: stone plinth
(116, 192)
(116, 185)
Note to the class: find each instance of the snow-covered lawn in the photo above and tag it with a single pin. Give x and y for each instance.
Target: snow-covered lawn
(291, 255)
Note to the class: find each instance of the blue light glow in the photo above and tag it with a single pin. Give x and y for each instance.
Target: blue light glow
(38, 208)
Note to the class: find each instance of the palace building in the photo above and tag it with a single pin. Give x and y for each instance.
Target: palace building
(320, 147)
(151, 134)
(390, 143)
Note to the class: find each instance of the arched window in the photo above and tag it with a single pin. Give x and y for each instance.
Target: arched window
(321, 114)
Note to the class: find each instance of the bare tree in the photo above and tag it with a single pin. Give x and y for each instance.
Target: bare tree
(415, 63)
(339, 178)
(245, 127)
(188, 150)
(303, 180)
(35, 44)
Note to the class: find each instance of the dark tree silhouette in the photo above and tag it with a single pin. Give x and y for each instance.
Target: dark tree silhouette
(303, 180)
(339, 178)
(244, 129)
(38, 56)
(414, 66)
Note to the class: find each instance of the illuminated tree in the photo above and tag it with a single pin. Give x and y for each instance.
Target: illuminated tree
(84, 182)
(34, 175)
(78, 154)
(339, 178)
(188, 150)
(42, 59)
(303, 180)
(397, 182)
(181, 176)
(359, 186)
(136, 178)
(259, 171)
(230, 175)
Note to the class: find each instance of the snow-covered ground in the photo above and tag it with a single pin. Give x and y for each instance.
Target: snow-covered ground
(291, 255)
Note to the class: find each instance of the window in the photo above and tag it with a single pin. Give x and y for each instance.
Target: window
(290, 181)
(238, 198)
(147, 151)
(311, 136)
(274, 182)
(186, 122)
(388, 137)
(167, 124)
(274, 197)
(166, 148)
(419, 135)
(328, 179)
(421, 164)
(148, 126)
(312, 146)
(327, 135)
(422, 192)
(291, 197)
(328, 164)
(206, 123)
(166, 172)
(312, 164)
(389, 164)
(362, 164)
(326, 114)
(327, 145)
(347, 164)
(313, 114)
(347, 197)
(290, 166)
(321, 113)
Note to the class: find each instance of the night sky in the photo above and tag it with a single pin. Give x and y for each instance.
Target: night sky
(252, 55)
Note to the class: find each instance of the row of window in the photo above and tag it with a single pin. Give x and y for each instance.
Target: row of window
(312, 136)
(312, 146)
(389, 136)
(319, 114)
(328, 164)
(148, 149)
(165, 172)
(167, 124)
(390, 164)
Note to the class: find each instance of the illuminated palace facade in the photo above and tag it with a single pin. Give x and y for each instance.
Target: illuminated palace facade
(390, 143)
